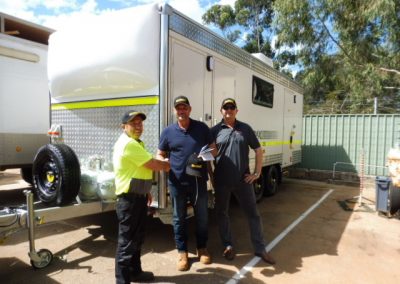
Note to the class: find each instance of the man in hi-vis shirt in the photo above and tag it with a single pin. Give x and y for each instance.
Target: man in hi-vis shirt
(133, 167)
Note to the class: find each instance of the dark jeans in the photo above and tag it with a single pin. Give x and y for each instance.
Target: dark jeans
(197, 195)
(131, 211)
(245, 195)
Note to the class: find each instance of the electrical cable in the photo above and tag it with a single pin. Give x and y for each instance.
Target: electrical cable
(197, 193)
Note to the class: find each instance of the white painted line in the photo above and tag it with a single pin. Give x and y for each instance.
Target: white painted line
(249, 266)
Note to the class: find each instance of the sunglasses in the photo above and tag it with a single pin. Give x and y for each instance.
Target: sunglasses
(229, 107)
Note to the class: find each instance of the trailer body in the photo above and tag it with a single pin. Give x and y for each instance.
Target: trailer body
(24, 95)
(142, 58)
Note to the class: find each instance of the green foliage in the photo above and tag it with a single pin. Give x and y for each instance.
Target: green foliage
(348, 51)
(253, 16)
(223, 17)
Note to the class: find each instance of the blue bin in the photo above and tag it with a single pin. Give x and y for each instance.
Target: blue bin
(387, 195)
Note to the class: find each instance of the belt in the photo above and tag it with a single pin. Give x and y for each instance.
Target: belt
(130, 194)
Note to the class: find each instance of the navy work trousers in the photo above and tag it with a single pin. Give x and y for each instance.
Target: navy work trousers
(131, 211)
(245, 195)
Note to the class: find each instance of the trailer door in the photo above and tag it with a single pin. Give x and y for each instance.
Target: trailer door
(190, 78)
(292, 119)
(224, 87)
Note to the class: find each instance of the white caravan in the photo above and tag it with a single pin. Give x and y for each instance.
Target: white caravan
(142, 58)
(24, 95)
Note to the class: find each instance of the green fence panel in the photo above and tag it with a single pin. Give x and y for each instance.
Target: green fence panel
(349, 140)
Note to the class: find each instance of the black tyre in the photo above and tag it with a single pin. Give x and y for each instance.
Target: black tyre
(258, 187)
(56, 174)
(26, 174)
(271, 181)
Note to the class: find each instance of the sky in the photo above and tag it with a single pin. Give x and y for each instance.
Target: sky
(56, 13)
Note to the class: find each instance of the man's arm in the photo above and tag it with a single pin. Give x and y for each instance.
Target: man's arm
(259, 157)
(250, 178)
(161, 155)
(158, 165)
(214, 150)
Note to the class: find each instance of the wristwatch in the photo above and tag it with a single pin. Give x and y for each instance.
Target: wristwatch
(256, 174)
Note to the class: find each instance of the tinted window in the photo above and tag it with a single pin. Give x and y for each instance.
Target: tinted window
(263, 92)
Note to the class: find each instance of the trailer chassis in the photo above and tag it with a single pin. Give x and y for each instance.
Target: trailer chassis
(27, 217)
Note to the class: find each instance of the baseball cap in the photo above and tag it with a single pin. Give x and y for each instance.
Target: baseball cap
(181, 100)
(128, 116)
(228, 101)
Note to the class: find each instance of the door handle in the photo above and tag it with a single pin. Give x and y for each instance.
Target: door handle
(207, 117)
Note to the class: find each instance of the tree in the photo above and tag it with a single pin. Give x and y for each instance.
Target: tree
(223, 17)
(253, 16)
(256, 16)
(349, 50)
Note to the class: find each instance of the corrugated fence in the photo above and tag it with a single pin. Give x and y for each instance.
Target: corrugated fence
(341, 140)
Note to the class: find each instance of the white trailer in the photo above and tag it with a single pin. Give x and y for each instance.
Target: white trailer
(142, 58)
(24, 95)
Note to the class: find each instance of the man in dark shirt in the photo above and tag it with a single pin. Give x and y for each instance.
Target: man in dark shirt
(181, 140)
(232, 176)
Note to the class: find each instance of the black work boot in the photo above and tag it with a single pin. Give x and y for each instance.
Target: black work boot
(143, 276)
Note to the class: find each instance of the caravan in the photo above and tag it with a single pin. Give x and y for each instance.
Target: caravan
(24, 95)
(143, 58)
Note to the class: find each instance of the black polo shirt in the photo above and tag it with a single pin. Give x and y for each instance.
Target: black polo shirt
(181, 143)
(232, 161)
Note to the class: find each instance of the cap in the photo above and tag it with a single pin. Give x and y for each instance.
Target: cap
(194, 166)
(128, 116)
(181, 100)
(228, 101)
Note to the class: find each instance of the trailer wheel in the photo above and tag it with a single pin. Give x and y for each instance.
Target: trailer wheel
(271, 181)
(258, 187)
(45, 258)
(56, 174)
(26, 174)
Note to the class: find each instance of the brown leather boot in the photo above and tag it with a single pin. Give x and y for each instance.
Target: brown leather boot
(204, 256)
(183, 262)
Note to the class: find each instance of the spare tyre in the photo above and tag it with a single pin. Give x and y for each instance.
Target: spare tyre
(26, 174)
(56, 174)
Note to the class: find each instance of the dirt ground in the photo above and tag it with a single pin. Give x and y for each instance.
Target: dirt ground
(315, 232)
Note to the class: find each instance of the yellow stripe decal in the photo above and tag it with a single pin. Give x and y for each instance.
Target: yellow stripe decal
(107, 103)
(279, 143)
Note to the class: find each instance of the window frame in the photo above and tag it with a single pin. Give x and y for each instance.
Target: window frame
(270, 96)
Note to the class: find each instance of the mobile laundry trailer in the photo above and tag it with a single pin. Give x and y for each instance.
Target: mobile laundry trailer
(24, 95)
(142, 58)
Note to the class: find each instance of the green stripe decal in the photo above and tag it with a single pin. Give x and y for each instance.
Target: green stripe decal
(107, 103)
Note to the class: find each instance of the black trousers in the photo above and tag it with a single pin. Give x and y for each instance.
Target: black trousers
(131, 211)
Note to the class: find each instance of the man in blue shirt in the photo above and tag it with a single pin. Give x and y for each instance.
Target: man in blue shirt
(180, 141)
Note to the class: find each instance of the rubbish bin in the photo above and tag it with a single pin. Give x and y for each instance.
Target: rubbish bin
(387, 195)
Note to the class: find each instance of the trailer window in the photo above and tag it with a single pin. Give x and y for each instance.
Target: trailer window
(263, 92)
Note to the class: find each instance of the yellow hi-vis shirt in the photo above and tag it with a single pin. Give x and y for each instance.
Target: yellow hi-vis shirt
(128, 159)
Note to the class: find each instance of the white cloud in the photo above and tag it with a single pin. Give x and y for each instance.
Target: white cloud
(25, 9)
(227, 2)
(57, 4)
(190, 8)
(89, 6)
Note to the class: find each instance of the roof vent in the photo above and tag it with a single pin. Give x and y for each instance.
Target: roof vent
(263, 58)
